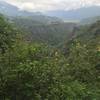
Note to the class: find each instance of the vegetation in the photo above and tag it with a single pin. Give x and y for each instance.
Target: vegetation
(38, 71)
(50, 32)
(89, 20)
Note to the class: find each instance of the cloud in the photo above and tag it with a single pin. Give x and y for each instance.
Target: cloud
(45, 5)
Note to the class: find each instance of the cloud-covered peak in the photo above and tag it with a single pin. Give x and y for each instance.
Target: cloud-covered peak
(45, 5)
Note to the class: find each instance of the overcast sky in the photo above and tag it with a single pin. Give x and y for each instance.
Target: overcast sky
(44, 5)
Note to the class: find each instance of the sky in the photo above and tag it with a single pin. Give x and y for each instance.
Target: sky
(48, 5)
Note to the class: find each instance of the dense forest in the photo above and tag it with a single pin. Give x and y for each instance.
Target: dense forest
(48, 31)
(40, 70)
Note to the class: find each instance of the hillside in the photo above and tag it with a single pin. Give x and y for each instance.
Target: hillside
(89, 20)
(48, 58)
(52, 33)
(38, 71)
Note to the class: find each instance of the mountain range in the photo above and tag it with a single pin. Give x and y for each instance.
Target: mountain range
(89, 20)
(10, 10)
(77, 14)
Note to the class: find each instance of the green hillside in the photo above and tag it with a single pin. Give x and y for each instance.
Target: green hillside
(51, 33)
(32, 70)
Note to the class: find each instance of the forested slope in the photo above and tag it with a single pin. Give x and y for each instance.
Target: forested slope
(90, 20)
(37, 71)
(50, 32)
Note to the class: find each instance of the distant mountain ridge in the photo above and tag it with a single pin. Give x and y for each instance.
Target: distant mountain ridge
(12, 11)
(90, 20)
(77, 14)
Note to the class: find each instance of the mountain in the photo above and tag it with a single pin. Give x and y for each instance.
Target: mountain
(37, 19)
(90, 20)
(37, 71)
(13, 11)
(52, 33)
(77, 14)
(10, 10)
(38, 27)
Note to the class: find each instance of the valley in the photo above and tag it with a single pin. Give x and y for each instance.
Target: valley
(49, 56)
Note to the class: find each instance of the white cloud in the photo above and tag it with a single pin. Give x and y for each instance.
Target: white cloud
(44, 5)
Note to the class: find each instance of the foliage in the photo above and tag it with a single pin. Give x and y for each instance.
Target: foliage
(37, 71)
(52, 32)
